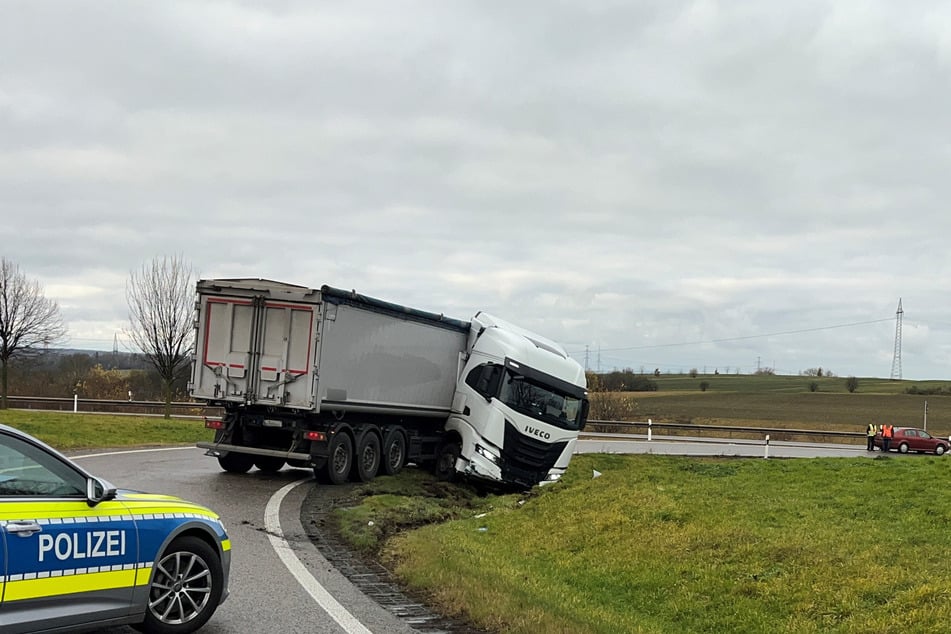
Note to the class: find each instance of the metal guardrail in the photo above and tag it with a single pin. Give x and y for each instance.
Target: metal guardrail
(106, 406)
(727, 431)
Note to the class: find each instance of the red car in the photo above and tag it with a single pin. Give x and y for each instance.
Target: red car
(907, 439)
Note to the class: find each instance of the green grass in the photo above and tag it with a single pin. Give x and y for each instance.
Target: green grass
(786, 401)
(69, 431)
(388, 506)
(670, 544)
(788, 384)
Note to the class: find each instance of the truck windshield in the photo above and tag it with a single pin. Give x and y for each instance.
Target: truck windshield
(540, 401)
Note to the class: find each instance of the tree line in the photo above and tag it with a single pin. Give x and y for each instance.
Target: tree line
(94, 375)
(160, 296)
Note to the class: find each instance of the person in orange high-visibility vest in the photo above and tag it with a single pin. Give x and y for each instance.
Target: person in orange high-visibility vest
(887, 432)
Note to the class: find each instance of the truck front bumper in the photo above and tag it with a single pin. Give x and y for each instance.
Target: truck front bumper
(477, 465)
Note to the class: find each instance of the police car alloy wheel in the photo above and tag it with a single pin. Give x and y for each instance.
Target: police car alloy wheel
(185, 589)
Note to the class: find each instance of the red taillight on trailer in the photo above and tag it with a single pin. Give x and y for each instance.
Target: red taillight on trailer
(316, 435)
(214, 423)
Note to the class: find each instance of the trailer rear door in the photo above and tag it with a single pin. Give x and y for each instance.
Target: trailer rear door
(286, 344)
(256, 350)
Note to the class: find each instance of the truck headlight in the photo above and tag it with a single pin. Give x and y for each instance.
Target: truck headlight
(487, 454)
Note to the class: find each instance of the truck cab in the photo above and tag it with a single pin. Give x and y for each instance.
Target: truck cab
(519, 406)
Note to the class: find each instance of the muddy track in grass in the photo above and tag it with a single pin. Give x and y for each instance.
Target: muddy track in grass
(367, 574)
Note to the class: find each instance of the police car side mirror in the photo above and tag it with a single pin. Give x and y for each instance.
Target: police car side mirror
(97, 491)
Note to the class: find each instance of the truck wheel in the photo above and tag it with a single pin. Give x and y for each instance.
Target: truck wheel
(340, 458)
(367, 461)
(446, 460)
(186, 587)
(236, 462)
(269, 464)
(394, 452)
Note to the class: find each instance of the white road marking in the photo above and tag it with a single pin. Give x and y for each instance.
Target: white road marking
(272, 525)
(127, 451)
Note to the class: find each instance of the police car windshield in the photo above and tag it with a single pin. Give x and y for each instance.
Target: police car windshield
(541, 402)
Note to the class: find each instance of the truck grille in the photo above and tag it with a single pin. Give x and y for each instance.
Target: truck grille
(527, 460)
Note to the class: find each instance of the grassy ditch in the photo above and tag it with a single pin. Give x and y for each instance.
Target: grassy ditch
(68, 431)
(672, 544)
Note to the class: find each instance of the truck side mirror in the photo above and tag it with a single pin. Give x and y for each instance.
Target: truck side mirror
(493, 377)
(485, 380)
(584, 414)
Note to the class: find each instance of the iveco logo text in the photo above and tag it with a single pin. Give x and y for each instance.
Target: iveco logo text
(534, 431)
(72, 545)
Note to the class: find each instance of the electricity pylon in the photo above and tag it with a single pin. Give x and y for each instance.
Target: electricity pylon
(896, 360)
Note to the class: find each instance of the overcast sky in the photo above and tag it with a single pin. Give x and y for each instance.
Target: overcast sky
(672, 185)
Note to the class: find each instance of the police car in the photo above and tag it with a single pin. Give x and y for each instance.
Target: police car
(77, 554)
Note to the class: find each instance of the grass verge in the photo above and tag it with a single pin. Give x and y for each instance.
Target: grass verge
(68, 431)
(671, 544)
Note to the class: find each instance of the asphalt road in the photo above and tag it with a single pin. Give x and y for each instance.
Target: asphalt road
(265, 595)
(279, 581)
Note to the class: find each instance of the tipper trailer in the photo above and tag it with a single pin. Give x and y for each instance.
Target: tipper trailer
(351, 386)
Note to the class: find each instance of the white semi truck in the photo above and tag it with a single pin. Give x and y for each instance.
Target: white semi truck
(351, 386)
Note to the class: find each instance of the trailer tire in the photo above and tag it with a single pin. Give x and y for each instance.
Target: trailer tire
(339, 458)
(367, 458)
(236, 462)
(446, 455)
(394, 452)
(269, 464)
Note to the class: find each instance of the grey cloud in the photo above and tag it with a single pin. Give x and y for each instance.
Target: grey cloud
(615, 174)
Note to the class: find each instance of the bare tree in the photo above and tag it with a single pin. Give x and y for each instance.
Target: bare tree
(29, 322)
(161, 297)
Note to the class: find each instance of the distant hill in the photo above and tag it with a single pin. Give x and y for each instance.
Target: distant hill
(107, 359)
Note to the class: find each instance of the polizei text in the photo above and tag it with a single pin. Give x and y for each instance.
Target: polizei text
(83, 545)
